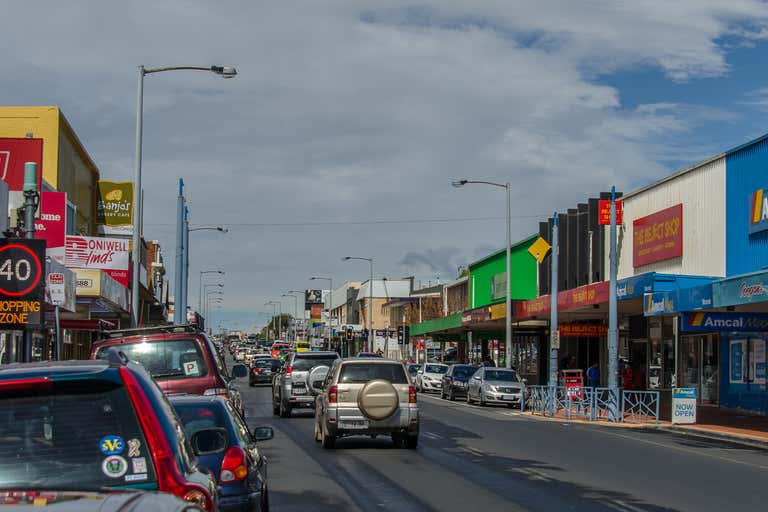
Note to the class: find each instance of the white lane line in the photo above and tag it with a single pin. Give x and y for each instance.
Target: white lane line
(626, 506)
(431, 435)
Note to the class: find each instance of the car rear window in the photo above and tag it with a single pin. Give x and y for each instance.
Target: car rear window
(263, 363)
(363, 372)
(77, 434)
(303, 364)
(165, 359)
(199, 416)
(436, 368)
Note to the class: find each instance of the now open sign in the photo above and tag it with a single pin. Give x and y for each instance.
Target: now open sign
(684, 405)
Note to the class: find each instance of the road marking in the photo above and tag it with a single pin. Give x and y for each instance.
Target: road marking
(473, 451)
(533, 474)
(431, 435)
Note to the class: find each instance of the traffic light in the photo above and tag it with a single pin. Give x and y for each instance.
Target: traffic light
(400, 335)
(350, 334)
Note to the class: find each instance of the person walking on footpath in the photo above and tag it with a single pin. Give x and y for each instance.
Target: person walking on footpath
(593, 375)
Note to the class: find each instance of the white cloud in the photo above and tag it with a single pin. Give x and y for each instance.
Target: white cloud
(367, 110)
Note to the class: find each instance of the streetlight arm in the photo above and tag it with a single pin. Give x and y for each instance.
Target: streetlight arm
(461, 183)
(225, 71)
(210, 228)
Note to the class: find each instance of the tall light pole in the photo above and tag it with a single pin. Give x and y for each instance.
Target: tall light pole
(205, 292)
(370, 299)
(224, 71)
(274, 312)
(200, 289)
(279, 319)
(208, 296)
(330, 305)
(295, 311)
(299, 294)
(185, 259)
(508, 305)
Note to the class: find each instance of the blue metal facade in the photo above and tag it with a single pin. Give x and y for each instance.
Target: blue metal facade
(746, 171)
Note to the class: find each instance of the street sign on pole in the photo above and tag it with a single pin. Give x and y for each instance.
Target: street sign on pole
(555, 340)
(22, 283)
(604, 215)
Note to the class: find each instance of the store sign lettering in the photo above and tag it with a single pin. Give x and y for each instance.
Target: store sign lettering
(758, 218)
(749, 291)
(658, 236)
(715, 322)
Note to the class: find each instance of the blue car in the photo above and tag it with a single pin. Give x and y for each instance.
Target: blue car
(226, 447)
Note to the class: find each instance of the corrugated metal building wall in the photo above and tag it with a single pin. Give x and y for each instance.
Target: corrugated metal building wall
(700, 189)
(747, 172)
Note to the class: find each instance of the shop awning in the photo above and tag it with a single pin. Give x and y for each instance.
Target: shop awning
(741, 290)
(436, 325)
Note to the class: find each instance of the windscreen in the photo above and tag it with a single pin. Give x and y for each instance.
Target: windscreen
(197, 417)
(363, 372)
(464, 372)
(501, 375)
(167, 359)
(303, 364)
(82, 434)
(436, 368)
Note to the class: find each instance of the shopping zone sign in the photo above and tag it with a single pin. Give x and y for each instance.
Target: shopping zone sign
(22, 283)
(107, 254)
(658, 237)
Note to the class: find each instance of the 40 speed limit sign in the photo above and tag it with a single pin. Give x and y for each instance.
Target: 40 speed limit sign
(22, 282)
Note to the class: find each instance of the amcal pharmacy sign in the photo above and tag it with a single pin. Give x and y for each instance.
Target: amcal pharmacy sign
(758, 218)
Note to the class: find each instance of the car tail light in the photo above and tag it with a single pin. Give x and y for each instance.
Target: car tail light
(234, 467)
(19, 384)
(216, 392)
(168, 473)
(258, 370)
(411, 394)
(333, 394)
(288, 371)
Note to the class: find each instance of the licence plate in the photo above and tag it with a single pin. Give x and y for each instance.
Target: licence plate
(353, 424)
(509, 397)
(299, 391)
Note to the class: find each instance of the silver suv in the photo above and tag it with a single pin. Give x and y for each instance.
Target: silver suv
(291, 385)
(367, 397)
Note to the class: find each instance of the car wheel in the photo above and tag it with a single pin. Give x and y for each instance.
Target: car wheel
(251, 383)
(329, 441)
(442, 393)
(318, 432)
(285, 410)
(411, 442)
(265, 500)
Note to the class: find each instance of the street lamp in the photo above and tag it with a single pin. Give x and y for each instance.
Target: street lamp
(223, 71)
(295, 311)
(279, 304)
(205, 292)
(184, 260)
(211, 296)
(200, 289)
(330, 305)
(274, 312)
(370, 298)
(508, 305)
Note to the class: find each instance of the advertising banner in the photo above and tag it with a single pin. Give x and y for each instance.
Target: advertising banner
(114, 208)
(658, 237)
(687, 299)
(312, 297)
(51, 226)
(741, 290)
(724, 322)
(604, 213)
(22, 283)
(14, 153)
(582, 330)
(595, 293)
(684, 405)
(108, 254)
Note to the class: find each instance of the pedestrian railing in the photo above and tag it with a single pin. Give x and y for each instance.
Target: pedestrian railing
(594, 404)
(640, 406)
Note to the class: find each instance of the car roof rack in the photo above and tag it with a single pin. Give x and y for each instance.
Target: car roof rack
(171, 328)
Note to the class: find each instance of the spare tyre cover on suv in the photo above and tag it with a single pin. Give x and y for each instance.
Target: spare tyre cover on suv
(378, 399)
(316, 375)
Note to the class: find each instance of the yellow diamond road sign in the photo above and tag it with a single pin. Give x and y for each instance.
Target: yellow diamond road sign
(539, 249)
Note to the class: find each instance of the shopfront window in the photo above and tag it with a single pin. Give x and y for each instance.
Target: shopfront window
(699, 366)
(525, 354)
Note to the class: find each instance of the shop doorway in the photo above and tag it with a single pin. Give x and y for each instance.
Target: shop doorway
(699, 366)
(638, 361)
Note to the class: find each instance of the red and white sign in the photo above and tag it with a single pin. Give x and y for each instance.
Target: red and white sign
(57, 288)
(14, 153)
(604, 216)
(108, 254)
(52, 224)
(658, 236)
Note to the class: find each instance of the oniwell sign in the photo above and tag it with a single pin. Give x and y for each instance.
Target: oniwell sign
(107, 254)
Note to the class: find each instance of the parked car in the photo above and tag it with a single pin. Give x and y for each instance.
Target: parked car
(413, 370)
(262, 370)
(455, 381)
(228, 449)
(367, 397)
(491, 385)
(92, 501)
(291, 385)
(369, 354)
(180, 358)
(430, 377)
(94, 424)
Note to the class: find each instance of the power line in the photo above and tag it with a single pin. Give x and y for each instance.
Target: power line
(364, 222)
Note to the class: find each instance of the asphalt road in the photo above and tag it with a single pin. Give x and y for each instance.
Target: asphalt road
(486, 459)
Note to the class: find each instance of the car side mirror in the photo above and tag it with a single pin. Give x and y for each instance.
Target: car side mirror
(476, 377)
(263, 434)
(524, 380)
(420, 372)
(239, 371)
(209, 440)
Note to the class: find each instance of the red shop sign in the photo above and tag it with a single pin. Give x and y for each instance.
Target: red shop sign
(14, 153)
(658, 236)
(595, 293)
(604, 216)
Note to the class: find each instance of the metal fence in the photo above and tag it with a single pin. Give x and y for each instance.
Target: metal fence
(594, 404)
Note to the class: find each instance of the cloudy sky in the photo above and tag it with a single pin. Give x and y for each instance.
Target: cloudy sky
(349, 119)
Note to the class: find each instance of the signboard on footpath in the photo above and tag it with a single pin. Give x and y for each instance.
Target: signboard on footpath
(114, 208)
(683, 406)
(22, 283)
(108, 254)
(658, 237)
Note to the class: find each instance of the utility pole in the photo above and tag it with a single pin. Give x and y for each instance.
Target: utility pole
(553, 327)
(185, 266)
(178, 271)
(31, 201)
(613, 327)
(508, 304)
